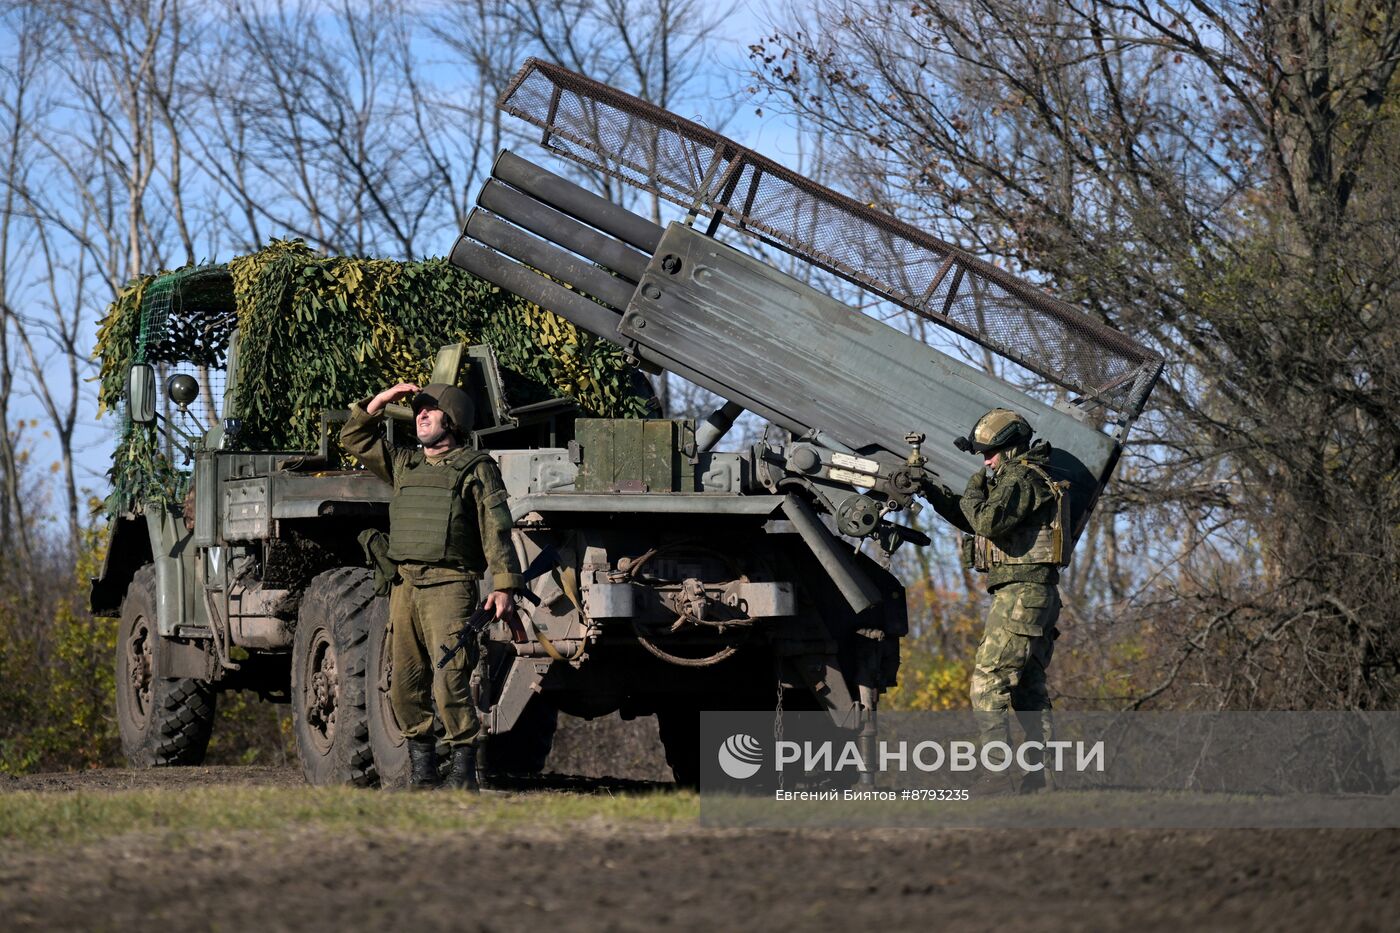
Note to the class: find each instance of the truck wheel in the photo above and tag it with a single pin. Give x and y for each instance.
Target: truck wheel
(526, 747)
(162, 720)
(679, 727)
(329, 659)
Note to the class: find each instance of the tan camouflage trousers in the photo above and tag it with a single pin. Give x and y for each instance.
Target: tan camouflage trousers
(421, 620)
(1009, 670)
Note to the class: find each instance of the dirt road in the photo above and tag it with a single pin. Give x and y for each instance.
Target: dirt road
(590, 874)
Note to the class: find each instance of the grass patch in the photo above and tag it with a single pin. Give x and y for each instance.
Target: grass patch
(41, 819)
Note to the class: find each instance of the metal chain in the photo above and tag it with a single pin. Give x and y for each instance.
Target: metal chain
(778, 727)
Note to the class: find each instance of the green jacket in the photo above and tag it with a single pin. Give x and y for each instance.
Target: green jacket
(1013, 500)
(481, 513)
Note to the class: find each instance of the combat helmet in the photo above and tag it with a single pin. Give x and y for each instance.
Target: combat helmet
(455, 404)
(997, 430)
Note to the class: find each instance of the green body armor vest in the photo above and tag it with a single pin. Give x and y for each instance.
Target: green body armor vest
(1041, 543)
(430, 520)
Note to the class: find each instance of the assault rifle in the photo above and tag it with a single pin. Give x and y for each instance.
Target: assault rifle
(482, 617)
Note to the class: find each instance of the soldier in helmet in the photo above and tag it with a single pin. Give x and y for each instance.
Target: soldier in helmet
(449, 524)
(1015, 518)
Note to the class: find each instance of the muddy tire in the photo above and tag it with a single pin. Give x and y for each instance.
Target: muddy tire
(525, 748)
(330, 655)
(679, 727)
(163, 721)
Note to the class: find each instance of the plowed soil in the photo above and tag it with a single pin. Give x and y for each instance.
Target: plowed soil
(592, 875)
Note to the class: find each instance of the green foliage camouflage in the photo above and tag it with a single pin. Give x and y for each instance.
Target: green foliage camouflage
(317, 333)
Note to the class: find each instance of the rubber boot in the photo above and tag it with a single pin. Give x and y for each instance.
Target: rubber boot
(423, 764)
(463, 773)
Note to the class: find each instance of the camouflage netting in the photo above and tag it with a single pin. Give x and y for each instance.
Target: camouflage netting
(318, 333)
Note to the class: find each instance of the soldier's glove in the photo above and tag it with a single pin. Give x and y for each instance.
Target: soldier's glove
(976, 487)
(938, 494)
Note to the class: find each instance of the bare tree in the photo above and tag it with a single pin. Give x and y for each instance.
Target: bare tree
(111, 146)
(52, 333)
(102, 192)
(317, 123)
(20, 107)
(1213, 178)
(662, 51)
(487, 50)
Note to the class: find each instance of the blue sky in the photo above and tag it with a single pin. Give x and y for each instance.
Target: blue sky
(770, 134)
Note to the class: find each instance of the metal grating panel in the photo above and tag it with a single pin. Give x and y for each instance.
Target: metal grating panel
(655, 150)
(187, 319)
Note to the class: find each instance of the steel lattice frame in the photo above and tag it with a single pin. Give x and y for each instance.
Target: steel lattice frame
(655, 150)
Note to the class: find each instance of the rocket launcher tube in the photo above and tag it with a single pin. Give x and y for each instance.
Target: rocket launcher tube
(564, 195)
(544, 221)
(551, 260)
(515, 278)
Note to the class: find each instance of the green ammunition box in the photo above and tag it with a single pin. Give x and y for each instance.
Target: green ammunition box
(631, 455)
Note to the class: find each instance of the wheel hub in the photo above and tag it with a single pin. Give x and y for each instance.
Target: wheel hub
(139, 665)
(323, 687)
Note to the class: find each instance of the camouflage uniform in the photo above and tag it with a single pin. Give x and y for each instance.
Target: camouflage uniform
(1006, 511)
(433, 598)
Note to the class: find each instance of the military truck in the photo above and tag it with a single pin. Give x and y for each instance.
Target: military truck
(671, 577)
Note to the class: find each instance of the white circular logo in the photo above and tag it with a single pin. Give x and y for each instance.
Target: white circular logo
(740, 756)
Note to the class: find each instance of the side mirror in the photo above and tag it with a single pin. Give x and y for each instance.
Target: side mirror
(141, 393)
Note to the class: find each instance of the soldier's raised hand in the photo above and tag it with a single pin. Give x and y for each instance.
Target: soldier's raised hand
(976, 486)
(390, 395)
